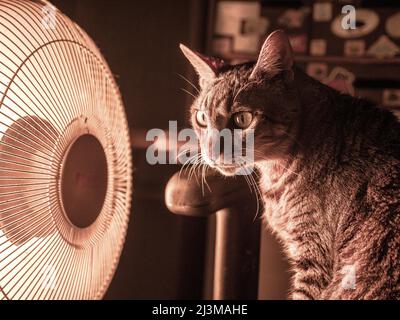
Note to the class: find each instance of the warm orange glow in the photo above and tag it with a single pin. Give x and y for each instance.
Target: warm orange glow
(54, 88)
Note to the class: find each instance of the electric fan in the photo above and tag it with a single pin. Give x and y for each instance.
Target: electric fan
(65, 158)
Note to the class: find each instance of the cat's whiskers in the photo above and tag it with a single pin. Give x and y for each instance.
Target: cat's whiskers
(189, 93)
(204, 179)
(253, 185)
(258, 192)
(189, 82)
(187, 161)
(195, 164)
(182, 152)
(185, 166)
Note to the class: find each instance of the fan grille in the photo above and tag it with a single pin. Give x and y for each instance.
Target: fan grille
(55, 87)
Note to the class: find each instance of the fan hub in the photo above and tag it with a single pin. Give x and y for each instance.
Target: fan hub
(84, 181)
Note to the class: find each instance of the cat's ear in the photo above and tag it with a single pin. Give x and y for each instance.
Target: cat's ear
(276, 56)
(206, 67)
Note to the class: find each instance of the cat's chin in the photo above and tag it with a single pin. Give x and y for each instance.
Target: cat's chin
(228, 171)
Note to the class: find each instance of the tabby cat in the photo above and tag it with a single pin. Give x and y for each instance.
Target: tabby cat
(328, 164)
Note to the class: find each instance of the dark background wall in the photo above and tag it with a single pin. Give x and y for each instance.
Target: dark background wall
(139, 40)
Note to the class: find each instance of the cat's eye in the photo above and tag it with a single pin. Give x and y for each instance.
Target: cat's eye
(201, 119)
(243, 119)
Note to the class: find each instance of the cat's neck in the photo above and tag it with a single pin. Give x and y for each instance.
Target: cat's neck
(318, 103)
(310, 89)
(277, 174)
(323, 111)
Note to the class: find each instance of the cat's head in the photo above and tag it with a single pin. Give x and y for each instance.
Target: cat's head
(255, 97)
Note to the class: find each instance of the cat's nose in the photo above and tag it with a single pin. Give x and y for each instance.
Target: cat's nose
(219, 159)
(216, 147)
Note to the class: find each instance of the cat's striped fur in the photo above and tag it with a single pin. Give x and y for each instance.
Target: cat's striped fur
(330, 172)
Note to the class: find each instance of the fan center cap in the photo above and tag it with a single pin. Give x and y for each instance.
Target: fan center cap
(84, 181)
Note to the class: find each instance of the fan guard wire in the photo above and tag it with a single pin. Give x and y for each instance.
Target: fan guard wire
(55, 87)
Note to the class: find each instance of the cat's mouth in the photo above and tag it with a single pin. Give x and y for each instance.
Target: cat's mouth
(232, 170)
(228, 170)
(225, 169)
